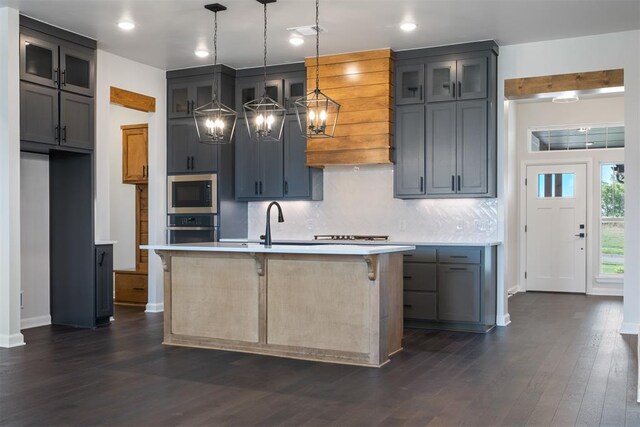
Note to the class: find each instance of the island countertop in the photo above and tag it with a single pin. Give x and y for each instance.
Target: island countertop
(331, 249)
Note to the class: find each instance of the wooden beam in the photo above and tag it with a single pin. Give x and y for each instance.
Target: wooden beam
(133, 100)
(518, 88)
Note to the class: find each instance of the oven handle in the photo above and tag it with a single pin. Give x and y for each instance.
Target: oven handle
(190, 228)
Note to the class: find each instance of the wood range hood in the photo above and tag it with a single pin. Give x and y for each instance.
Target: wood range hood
(362, 83)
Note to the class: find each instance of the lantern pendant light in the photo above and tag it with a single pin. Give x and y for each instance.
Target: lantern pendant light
(215, 121)
(321, 111)
(265, 116)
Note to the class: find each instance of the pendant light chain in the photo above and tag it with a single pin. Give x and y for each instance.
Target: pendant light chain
(265, 48)
(215, 55)
(317, 45)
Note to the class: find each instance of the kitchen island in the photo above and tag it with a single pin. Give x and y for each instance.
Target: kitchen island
(331, 303)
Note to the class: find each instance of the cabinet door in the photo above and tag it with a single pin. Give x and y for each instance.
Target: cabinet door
(104, 282)
(179, 135)
(472, 78)
(246, 90)
(201, 93)
(76, 121)
(294, 88)
(38, 114)
(77, 69)
(247, 164)
(441, 148)
(204, 157)
(271, 183)
(39, 59)
(134, 155)
(410, 84)
(273, 89)
(441, 81)
(297, 184)
(410, 160)
(459, 293)
(472, 146)
(179, 103)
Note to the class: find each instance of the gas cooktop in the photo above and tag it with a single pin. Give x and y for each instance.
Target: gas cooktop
(369, 237)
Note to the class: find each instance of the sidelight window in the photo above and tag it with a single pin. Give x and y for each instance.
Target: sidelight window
(612, 219)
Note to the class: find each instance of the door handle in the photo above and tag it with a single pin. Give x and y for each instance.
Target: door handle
(188, 163)
(57, 133)
(458, 182)
(286, 187)
(192, 161)
(255, 189)
(64, 133)
(581, 235)
(454, 88)
(260, 187)
(421, 184)
(56, 78)
(144, 171)
(453, 183)
(64, 78)
(101, 258)
(460, 89)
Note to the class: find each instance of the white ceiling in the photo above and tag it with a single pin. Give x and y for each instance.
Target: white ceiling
(168, 31)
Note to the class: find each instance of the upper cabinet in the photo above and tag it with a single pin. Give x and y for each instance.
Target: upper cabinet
(57, 87)
(248, 89)
(187, 95)
(457, 80)
(446, 140)
(52, 62)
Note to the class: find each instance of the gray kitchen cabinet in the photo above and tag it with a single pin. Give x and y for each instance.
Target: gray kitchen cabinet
(409, 172)
(441, 148)
(459, 292)
(294, 88)
(450, 287)
(185, 95)
(185, 154)
(297, 176)
(271, 173)
(457, 80)
(247, 162)
(39, 114)
(77, 69)
(104, 283)
(410, 84)
(458, 156)
(39, 58)
(248, 89)
(76, 121)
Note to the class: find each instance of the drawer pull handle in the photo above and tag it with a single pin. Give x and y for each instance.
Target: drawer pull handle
(459, 256)
(407, 255)
(407, 277)
(138, 289)
(458, 268)
(407, 305)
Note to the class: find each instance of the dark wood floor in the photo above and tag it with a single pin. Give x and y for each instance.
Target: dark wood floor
(561, 362)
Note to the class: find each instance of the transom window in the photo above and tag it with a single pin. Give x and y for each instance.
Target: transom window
(583, 137)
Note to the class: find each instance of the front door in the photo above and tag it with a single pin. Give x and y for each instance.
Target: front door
(556, 228)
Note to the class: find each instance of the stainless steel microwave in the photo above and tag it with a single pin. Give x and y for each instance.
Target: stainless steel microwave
(192, 194)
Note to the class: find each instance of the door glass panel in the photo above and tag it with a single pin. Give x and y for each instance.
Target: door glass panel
(471, 78)
(180, 100)
(203, 95)
(441, 81)
(248, 94)
(77, 72)
(410, 81)
(612, 219)
(556, 185)
(39, 61)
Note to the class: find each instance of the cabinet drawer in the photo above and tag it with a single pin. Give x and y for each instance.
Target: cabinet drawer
(420, 305)
(459, 255)
(131, 287)
(420, 276)
(421, 254)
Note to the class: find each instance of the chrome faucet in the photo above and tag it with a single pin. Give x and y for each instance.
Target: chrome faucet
(267, 232)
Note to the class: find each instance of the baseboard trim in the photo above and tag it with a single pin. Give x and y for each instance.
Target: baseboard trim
(513, 290)
(8, 341)
(34, 322)
(604, 292)
(154, 308)
(629, 328)
(506, 319)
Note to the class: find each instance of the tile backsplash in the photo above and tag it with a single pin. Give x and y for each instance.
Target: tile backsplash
(359, 200)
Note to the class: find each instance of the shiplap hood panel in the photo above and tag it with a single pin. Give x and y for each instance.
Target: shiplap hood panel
(362, 83)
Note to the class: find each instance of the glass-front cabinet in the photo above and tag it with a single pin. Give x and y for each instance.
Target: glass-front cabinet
(51, 62)
(186, 96)
(410, 84)
(457, 80)
(441, 81)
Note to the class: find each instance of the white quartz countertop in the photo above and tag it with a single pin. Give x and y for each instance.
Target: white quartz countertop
(105, 242)
(366, 242)
(248, 247)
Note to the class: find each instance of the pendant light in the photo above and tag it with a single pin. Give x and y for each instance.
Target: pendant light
(265, 116)
(321, 111)
(215, 121)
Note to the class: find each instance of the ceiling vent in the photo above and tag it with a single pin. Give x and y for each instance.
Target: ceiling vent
(307, 30)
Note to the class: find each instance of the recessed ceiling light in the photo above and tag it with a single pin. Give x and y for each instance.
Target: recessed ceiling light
(126, 25)
(565, 98)
(296, 40)
(201, 53)
(408, 26)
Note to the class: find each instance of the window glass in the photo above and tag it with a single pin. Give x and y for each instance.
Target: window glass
(577, 138)
(556, 185)
(612, 219)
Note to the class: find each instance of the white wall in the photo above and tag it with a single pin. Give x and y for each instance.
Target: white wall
(10, 335)
(122, 197)
(359, 200)
(113, 70)
(34, 239)
(600, 110)
(601, 52)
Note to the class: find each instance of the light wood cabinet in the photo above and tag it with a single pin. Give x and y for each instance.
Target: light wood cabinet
(135, 169)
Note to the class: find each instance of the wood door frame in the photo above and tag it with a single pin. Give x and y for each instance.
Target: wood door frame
(522, 217)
